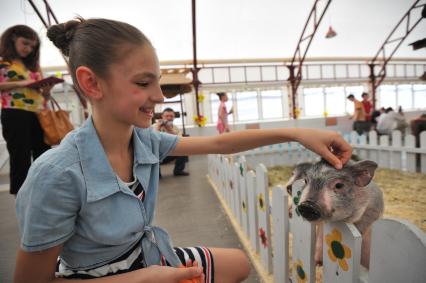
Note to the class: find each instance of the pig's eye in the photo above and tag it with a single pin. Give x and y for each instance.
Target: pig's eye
(339, 186)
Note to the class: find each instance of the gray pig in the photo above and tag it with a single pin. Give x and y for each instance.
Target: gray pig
(347, 195)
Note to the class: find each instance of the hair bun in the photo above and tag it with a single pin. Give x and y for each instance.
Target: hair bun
(62, 34)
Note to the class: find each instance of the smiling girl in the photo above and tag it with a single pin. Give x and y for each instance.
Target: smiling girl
(91, 200)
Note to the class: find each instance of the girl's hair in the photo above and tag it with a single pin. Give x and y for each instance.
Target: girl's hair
(8, 50)
(221, 94)
(94, 43)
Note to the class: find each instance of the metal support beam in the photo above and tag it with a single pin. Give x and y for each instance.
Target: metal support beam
(195, 69)
(376, 80)
(316, 15)
(47, 23)
(49, 13)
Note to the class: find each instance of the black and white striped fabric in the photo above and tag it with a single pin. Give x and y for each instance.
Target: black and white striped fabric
(134, 259)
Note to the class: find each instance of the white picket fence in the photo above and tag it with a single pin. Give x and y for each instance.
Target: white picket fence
(394, 152)
(398, 252)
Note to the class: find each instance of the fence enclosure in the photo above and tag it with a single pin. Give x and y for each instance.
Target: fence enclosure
(398, 250)
(393, 152)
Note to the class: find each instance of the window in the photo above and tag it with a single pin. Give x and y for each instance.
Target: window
(335, 101)
(272, 104)
(247, 106)
(405, 97)
(387, 96)
(314, 101)
(419, 92)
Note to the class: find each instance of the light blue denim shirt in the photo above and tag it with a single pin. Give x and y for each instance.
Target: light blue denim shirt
(73, 197)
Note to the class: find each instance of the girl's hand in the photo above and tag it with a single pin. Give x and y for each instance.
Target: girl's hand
(45, 90)
(169, 274)
(328, 144)
(199, 279)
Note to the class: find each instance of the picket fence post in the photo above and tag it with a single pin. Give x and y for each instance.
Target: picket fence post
(280, 238)
(410, 144)
(264, 228)
(397, 153)
(303, 244)
(252, 209)
(341, 253)
(384, 156)
(423, 155)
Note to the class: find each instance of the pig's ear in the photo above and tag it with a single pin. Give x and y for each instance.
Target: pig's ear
(363, 172)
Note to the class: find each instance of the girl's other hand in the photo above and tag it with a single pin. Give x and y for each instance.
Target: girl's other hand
(174, 275)
(24, 83)
(328, 144)
(45, 89)
(199, 279)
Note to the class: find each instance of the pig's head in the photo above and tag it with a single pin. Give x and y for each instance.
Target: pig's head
(336, 195)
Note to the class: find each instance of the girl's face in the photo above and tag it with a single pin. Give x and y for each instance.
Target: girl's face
(225, 98)
(24, 46)
(132, 89)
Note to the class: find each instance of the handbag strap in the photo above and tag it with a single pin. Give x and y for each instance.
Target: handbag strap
(53, 102)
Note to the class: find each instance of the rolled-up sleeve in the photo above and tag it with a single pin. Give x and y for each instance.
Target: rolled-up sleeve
(47, 207)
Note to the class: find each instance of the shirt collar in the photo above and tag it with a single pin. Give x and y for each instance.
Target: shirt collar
(100, 178)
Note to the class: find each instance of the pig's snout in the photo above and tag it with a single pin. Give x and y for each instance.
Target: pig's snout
(309, 210)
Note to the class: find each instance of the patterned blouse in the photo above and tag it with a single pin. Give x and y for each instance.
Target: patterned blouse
(19, 98)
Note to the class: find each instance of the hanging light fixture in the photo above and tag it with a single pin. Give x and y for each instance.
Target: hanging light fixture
(330, 33)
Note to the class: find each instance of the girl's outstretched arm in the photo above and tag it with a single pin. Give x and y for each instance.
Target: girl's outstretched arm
(328, 144)
(39, 267)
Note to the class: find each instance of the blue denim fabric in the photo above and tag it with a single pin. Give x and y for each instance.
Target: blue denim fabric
(73, 197)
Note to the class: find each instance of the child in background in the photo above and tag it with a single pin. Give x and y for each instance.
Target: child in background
(20, 66)
(222, 120)
(91, 200)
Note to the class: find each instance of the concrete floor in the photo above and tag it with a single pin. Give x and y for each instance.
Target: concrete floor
(187, 208)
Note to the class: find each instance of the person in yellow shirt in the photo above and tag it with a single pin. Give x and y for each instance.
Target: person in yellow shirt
(19, 66)
(360, 124)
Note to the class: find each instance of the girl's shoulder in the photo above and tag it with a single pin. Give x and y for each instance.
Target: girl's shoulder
(63, 156)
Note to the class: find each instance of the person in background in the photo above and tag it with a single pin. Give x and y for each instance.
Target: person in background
(375, 115)
(165, 125)
(368, 106)
(222, 121)
(389, 121)
(360, 123)
(19, 66)
(418, 125)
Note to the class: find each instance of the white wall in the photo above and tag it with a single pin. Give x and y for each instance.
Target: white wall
(344, 125)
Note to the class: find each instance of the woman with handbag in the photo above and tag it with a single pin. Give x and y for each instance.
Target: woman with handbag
(19, 66)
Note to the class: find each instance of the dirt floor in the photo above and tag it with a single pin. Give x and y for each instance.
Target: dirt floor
(404, 193)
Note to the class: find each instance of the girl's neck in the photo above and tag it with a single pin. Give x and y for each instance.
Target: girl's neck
(115, 137)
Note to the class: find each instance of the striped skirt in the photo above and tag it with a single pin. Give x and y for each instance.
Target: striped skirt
(134, 259)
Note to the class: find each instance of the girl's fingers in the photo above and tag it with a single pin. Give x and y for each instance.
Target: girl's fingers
(342, 150)
(189, 273)
(331, 158)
